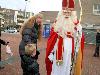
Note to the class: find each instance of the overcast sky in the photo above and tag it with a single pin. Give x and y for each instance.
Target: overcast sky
(32, 5)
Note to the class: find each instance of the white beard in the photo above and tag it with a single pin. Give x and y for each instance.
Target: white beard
(63, 25)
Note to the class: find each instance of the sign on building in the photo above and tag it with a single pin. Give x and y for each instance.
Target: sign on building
(15, 17)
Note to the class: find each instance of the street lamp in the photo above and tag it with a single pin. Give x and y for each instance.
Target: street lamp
(25, 8)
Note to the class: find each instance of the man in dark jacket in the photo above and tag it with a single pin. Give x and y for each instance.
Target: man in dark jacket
(96, 54)
(3, 43)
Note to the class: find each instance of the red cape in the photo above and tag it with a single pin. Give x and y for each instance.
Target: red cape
(50, 45)
(82, 46)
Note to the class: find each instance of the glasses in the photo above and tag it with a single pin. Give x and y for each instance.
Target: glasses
(65, 11)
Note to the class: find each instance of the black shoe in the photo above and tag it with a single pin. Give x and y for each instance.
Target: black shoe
(95, 55)
(2, 67)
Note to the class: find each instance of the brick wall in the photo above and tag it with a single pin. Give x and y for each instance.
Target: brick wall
(87, 12)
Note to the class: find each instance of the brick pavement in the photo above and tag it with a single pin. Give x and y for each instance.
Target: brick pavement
(91, 65)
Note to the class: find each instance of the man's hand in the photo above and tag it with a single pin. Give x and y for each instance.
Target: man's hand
(34, 52)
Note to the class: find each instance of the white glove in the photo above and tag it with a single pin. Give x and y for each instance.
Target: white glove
(51, 57)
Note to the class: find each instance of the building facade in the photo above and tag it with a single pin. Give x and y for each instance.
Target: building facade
(13, 18)
(91, 14)
(7, 17)
(1, 20)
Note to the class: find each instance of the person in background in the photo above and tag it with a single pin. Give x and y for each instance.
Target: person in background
(3, 43)
(31, 34)
(96, 54)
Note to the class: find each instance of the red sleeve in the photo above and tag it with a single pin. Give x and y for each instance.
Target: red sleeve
(50, 45)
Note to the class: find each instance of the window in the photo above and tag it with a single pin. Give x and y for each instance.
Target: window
(96, 9)
(12, 21)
